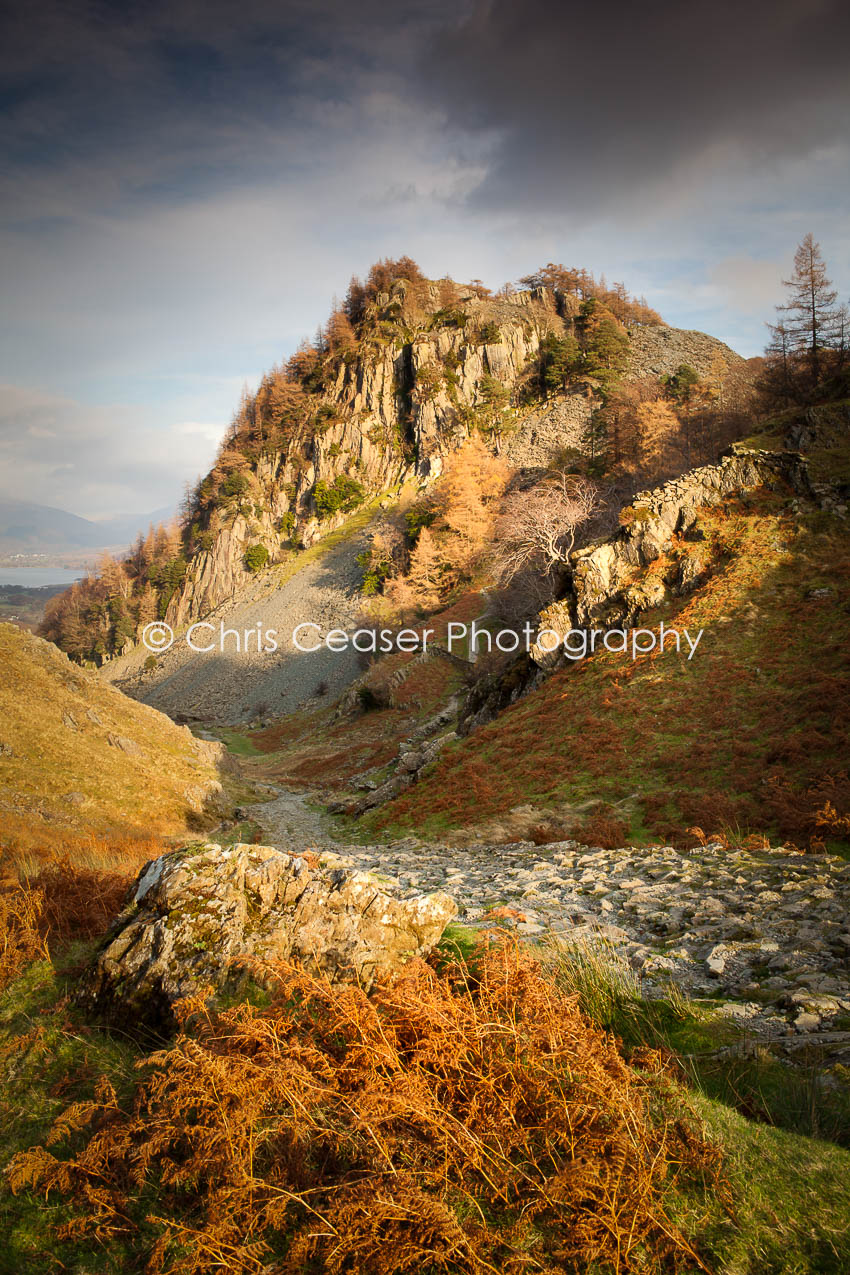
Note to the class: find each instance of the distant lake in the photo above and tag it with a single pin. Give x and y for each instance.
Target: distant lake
(34, 577)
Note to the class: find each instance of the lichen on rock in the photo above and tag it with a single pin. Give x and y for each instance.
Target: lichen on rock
(199, 916)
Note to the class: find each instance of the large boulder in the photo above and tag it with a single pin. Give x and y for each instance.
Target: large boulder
(197, 916)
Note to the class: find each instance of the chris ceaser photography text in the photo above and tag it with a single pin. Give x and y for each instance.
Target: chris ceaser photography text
(469, 640)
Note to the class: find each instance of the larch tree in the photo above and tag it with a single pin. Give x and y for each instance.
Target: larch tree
(474, 478)
(811, 316)
(657, 426)
(426, 570)
(779, 376)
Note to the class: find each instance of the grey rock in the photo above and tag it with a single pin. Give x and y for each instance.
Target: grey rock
(197, 914)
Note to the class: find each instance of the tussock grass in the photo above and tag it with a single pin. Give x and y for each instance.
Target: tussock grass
(711, 1055)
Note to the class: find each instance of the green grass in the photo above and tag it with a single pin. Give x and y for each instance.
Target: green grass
(785, 1207)
(242, 833)
(714, 1054)
(460, 943)
(52, 1057)
(237, 742)
(787, 1201)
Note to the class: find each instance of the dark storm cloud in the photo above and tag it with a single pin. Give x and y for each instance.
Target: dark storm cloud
(187, 92)
(185, 184)
(584, 101)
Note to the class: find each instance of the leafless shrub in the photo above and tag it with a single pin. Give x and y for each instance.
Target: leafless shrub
(538, 528)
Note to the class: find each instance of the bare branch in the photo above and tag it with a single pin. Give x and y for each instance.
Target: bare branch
(538, 527)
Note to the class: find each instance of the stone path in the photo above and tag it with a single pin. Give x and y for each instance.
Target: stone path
(288, 821)
(765, 931)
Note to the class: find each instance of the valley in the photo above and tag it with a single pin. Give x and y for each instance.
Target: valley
(219, 864)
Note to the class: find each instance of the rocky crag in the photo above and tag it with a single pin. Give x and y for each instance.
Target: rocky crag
(400, 401)
(609, 585)
(394, 409)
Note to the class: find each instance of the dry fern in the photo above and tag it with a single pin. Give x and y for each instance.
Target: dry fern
(22, 931)
(440, 1124)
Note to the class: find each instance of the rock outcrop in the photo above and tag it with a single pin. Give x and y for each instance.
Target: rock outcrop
(395, 410)
(763, 930)
(406, 398)
(609, 588)
(198, 915)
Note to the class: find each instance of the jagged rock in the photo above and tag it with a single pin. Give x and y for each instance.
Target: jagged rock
(196, 913)
(198, 796)
(126, 745)
(717, 958)
(408, 766)
(604, 593)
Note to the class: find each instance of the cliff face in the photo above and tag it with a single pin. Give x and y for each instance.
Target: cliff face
(394, 410)
(405, 395)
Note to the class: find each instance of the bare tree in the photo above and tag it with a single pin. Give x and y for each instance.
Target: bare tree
(538, 527)
(812, 317)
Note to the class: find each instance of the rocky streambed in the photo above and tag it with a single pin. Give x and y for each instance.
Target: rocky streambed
(765, 932)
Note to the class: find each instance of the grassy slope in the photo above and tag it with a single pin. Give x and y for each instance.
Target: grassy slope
(315, 750)
(752, 733)
(787, 1207)
(148, 790)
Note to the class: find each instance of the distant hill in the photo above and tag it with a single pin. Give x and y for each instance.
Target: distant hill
(31, 528)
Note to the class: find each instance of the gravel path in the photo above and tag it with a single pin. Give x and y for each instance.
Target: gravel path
(230, 688)
(289, 820)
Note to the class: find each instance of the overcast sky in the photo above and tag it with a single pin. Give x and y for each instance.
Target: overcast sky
(185, 186)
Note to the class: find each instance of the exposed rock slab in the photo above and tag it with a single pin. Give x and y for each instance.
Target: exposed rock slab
(197, 913)
(765, 931)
